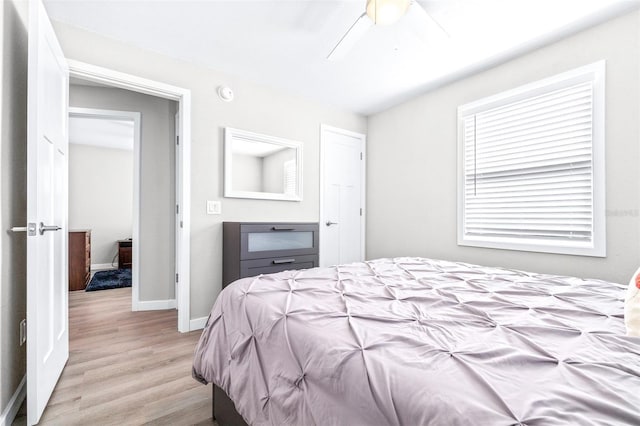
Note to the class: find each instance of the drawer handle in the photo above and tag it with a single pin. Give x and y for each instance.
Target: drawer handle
(281, 228)
(281, 261)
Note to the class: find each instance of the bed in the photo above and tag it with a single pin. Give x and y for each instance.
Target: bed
(413, 341)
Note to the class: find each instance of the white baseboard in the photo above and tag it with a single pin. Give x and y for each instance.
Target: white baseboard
(197, 323)
(102, 266)
(9, 413)
(155, 305)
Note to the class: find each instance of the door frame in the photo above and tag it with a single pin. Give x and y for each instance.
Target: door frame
(136, 118)
(176, 184)
(182, 96)
(324, 128)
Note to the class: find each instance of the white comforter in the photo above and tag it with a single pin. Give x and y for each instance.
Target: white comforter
(416, 341)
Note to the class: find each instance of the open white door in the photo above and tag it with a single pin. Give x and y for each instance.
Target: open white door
(47, 269)
(342, 174)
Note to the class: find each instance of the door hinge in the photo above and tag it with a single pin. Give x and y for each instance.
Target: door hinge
(361, 156)
(177, 208)
(177, 140)
(23, 331)
(360, 211)
(177, 277)
(181, 224)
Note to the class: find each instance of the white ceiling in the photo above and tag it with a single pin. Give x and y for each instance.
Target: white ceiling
(101, 132)
(284, 43)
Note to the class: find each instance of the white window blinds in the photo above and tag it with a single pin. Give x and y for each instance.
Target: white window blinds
(290, 174)
(528, 169)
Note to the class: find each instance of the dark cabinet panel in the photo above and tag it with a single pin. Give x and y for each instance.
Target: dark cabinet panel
(250, 268)
(124, 254)
(251, 249)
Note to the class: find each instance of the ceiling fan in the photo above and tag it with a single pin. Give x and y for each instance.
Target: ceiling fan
(379, 12)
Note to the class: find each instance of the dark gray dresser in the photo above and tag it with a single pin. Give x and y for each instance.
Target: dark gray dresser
(254, 248)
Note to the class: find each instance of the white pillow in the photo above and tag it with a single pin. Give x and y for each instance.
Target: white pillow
(632, 306)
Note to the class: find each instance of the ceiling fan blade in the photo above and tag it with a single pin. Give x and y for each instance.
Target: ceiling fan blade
(350, 38)
(424, 16)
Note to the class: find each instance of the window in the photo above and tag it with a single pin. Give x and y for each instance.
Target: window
(531, 167)
(289, 174)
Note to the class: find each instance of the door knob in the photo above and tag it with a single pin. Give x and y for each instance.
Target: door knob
(30, 229)
(329, 223)
(44, 228)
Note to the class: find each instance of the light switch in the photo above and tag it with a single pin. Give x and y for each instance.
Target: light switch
(214, 207)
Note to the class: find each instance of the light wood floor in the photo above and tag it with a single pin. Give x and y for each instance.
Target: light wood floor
(126, 368)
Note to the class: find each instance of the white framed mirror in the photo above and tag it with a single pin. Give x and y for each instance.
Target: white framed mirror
(261, 166)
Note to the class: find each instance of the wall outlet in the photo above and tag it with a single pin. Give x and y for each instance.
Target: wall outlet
(214, 207)
(23, 331)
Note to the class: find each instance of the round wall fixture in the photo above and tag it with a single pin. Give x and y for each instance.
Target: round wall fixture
(225, 93)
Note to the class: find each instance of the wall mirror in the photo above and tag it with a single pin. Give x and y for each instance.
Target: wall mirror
(261, 166)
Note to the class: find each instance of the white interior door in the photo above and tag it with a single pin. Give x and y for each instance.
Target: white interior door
(47, 268)
(342, 196)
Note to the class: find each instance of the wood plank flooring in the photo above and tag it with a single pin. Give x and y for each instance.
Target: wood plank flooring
(126, 368)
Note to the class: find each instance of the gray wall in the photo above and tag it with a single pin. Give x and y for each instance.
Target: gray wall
(101, 197)
(256, 108)
(411, 193)
(13, 190)
(157, 187)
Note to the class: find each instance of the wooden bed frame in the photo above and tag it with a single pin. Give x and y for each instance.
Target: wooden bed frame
(224, 410)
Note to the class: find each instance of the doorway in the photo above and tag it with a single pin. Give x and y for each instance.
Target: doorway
(113, 79)
(104, 202)
(342, 196)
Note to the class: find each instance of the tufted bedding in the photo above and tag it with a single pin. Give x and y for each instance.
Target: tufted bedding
(416, 341)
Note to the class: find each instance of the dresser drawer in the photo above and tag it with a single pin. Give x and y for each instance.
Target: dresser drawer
(79, 258)
(254, 248)
(261, 241)
(249, 268)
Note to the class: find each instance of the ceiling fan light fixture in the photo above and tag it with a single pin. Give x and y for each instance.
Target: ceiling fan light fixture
(386, 12)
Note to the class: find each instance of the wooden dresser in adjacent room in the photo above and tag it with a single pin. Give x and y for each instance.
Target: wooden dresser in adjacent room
(79, 258)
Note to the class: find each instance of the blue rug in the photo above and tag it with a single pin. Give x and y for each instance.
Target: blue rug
(105, 280)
